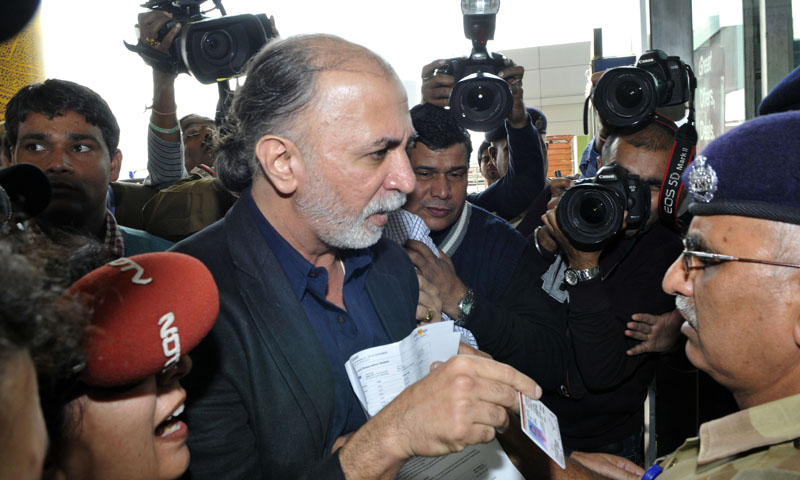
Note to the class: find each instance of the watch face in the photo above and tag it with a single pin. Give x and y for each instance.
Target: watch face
(571, 277)
(465, 305)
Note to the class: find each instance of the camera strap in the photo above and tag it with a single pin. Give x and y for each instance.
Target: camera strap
(586, 114)
(673, 207)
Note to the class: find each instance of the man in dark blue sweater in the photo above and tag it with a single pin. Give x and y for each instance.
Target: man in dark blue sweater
(484, 275)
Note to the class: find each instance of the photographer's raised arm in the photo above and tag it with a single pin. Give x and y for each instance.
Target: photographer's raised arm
(513, 74)
(522, 173)
(164, 151)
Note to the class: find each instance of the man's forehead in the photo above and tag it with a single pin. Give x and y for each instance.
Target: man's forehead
(731, 234)
(64, 126)
(365, 107)
(69, 119)
(343, 84)
(444, 159)
(641, 161)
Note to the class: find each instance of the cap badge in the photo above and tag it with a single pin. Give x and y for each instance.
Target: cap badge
(702, 180)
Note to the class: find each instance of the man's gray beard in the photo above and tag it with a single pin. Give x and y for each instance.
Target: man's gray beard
(336, 225)
(686, 306)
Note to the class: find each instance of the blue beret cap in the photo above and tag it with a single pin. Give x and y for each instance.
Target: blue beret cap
(536, 116)
(750, 171)
(784, 96)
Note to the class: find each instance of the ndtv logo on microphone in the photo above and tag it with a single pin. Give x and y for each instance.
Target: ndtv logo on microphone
(170, 339)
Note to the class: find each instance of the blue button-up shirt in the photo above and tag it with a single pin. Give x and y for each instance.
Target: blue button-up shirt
(340, 332)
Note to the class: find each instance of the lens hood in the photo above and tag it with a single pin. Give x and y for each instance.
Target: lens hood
(220, 48)
(626, 96)
(481, 101)
(590, 214)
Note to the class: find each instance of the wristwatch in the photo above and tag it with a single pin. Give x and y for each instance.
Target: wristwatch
(574, 277)
(465, 307)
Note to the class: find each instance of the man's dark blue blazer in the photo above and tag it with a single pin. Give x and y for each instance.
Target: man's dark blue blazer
(260, 396)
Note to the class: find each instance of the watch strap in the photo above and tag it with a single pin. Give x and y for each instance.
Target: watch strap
(575, 277)
(465, 306)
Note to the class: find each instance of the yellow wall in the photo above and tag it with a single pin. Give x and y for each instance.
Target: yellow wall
(20, 62)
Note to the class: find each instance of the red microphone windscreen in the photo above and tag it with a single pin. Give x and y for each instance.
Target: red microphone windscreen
(148, 310)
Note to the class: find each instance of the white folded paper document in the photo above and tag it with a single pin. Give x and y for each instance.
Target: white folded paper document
(379, 374)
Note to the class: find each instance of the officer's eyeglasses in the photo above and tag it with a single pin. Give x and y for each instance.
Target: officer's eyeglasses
(694, 260)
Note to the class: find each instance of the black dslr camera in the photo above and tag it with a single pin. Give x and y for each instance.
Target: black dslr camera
(592, 211)
(209, 50)
(480, 100)
(627, 96)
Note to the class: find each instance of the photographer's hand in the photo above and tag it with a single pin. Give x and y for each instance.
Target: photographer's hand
(436, 87)
(558, 185)
(576, 259)
(149, 25)
(163, 111)
(513, 75)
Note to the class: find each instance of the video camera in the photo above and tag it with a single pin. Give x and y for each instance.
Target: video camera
(209, 50)
(591, 212)
(628, 96)
(24, 193)
(480, 100)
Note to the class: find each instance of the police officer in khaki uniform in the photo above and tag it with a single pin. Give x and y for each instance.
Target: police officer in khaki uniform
(737, 285)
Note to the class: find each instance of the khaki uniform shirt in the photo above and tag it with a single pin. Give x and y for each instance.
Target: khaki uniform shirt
(760, 442)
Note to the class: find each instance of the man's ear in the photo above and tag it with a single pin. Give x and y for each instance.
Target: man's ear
(12, 155)
(116, 165)
(281, 161)
(492, 153)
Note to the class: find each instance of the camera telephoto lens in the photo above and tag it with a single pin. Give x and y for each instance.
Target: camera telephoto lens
(217, 45)
(481, 101)
(480, 98)
(626, 96)
(629, 94)
(593, 211)
(590, 214)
